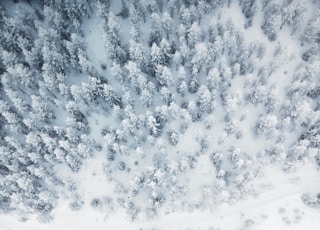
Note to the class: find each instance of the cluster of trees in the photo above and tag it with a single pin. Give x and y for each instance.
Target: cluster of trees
(277, 14)
(155, 83)
(41, 42)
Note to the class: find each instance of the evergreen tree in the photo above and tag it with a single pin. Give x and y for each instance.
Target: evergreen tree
(205, 99)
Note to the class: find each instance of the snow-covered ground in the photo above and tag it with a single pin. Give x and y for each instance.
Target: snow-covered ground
(278, 206)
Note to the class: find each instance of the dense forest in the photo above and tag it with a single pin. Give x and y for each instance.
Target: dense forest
(179, 104)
